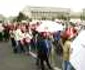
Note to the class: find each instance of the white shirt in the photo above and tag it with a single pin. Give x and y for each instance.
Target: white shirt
(18, 35)
(27, 35)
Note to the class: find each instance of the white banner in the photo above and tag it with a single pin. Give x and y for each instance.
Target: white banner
(77, 58)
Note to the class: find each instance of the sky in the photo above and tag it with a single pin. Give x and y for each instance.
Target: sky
(12, 7)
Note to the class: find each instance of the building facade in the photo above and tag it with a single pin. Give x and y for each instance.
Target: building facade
(45, 12)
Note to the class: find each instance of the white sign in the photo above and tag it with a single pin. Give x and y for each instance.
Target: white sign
(77, 58)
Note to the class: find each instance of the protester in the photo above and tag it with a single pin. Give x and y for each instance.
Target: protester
(27, 42)
(43, 52)
(56, 43)
(1, 32)
(33, 40)
(19, 39)
(67, 50)
(24, 36)
(6, 32)
(12, 36)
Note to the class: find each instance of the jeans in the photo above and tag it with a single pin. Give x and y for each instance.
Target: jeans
(26, 47)
(14, 45)
(19, 47)
(66, 65)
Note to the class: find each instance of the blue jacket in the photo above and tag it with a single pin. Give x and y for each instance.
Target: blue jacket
(42, 47)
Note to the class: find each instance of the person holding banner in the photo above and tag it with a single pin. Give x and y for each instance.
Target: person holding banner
(67, 50)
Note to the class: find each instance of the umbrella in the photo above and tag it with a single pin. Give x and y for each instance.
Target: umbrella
(49, 26)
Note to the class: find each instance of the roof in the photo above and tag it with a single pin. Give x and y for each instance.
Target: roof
(46, 9)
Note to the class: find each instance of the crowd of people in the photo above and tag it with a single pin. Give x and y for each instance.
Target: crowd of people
(25, 38)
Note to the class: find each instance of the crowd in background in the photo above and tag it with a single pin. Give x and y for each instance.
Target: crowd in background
(24, 38)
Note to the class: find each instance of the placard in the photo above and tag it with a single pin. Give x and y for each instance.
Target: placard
(77, 57)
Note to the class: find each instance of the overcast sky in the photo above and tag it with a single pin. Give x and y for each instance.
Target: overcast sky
(12, 7)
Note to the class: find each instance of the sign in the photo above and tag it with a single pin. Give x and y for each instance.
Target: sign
(77, 58)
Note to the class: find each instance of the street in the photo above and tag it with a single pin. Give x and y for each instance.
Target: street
(11, 61)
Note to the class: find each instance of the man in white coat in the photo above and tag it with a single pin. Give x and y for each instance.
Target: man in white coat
(18, 38)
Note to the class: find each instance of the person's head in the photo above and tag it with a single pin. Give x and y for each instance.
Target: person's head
(66, 37)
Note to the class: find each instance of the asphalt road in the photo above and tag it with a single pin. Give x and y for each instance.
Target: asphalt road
(11, 61)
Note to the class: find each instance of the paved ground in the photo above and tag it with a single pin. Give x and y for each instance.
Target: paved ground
(11, 61)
